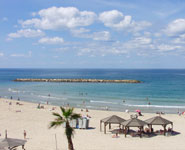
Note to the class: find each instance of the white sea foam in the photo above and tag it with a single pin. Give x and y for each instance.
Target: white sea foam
(43, 96)
(154, 106)
(89, 106)
(13, 90)
(49, 97)
(105, 102)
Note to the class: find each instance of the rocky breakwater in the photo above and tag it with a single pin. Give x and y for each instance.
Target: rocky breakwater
(78, 80)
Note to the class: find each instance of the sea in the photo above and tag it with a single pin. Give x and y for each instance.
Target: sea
(161, 90)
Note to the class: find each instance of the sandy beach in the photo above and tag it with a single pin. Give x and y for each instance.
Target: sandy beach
(17, 118)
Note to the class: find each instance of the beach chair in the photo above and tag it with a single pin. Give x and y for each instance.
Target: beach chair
(73, 123)
(80, 123)
(85, 123)
(84, 120)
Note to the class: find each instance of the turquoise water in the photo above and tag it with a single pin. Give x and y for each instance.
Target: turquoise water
(164, 89)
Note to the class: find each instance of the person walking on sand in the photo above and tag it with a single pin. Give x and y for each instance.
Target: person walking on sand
(24, 134)
(38, 106)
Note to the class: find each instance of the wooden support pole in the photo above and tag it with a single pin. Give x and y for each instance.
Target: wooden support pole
(125, 131)
(100, 126)
(6, 134)
(164, 129)
(172, 126)
(105, 128)
(109, 126)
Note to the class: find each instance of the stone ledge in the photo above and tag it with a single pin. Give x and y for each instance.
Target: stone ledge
(78, 80)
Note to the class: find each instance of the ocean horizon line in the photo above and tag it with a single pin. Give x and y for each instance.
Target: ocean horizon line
(103, 68)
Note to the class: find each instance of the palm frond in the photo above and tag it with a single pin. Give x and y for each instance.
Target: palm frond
(62, 109)
(69, 112)
(75, 116)
(55, 123)
(65, 112)
(57, 115)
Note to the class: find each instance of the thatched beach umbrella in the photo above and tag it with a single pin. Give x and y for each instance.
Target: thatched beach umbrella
(158, 120)
(11, 143)
(111, 120)
(133, 122)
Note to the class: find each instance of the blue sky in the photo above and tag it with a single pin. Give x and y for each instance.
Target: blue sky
(92, 34)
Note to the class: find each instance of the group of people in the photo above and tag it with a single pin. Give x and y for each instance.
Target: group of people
(40, 107)
(17, 98)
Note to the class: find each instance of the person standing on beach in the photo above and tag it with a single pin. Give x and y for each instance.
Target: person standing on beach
(38, 106)
(24, 134)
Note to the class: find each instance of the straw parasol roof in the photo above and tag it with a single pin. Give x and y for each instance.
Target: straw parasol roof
(10, 142)
(133, 122)
(158, 120)
(113, 119)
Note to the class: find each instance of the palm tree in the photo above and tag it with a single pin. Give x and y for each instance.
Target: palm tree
(66, 117)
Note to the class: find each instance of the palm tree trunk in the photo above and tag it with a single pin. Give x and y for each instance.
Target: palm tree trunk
(70, 143)
(69, 139)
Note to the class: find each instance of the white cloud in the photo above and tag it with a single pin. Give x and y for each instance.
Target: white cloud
(5, 19)
(1, 54)
(137, 26)
(53, 40)
(147, 33)
(138, 43)
(62, 49)
(169, 12)
(97, 36)
(58, 18)
(101, 36)
(22, 55)
(17, 55)
(180, 39)
(115, 19)
(33, 14)
(165, 47)
(175, 28)
(100, 49)
(142, 40)
(27, 33)
(79, 32)
(157, 34)
(141, 46)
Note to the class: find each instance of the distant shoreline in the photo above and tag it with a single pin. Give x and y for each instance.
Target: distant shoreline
(77, 80)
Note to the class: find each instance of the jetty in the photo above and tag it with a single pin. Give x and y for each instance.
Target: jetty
(77, 80)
